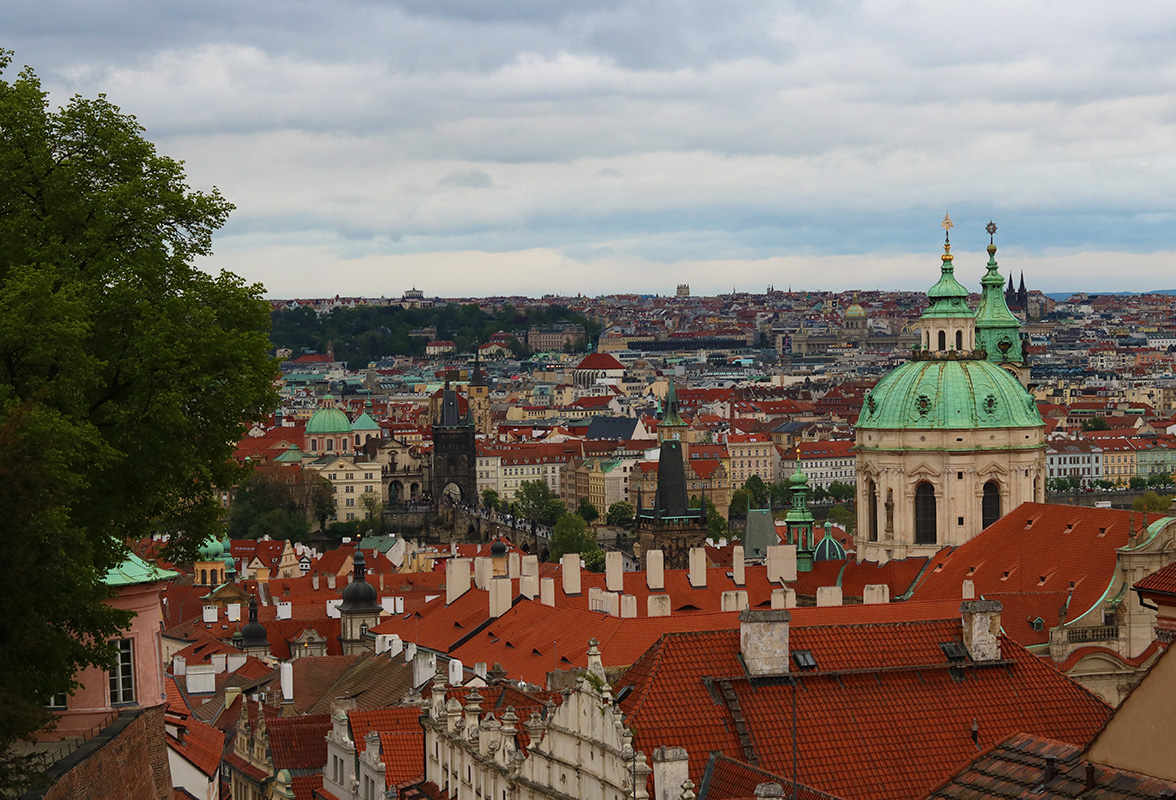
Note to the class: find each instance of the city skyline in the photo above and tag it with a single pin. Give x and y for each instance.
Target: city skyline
(611, 148)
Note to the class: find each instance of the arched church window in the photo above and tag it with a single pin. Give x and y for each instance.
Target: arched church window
(943, 340)
(203, 577)
(872, 489)
(959, 340)
(330, 445)
(925, 514)
(990, 506)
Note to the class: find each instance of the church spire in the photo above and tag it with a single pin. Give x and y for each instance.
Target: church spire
(998, 332)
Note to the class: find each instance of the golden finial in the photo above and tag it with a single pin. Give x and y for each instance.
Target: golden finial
(947, 225)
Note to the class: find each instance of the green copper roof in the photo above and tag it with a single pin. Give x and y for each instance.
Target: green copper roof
(948, 394)
(948, 298)
(364, 421)
(212, 549)
(997, 331)
(135, 570)
(672, 418)
(328, 419)
(292, 455)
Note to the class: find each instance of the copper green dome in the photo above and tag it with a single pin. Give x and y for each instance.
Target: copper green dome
(212, 549)
(328, 420)
(855, 311)
(948, 394)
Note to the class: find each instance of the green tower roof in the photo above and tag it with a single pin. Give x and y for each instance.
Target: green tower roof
(328, 419)
(948, 298)
(997, 330)
(948, 394)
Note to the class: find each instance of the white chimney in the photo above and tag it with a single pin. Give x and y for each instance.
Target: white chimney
(875, 594)
(331, 581)
(981, 620)
(233, 612)
(500, 596)
(763, 641)
(314, 581)
(628, 606)
(388, 605)
(235, 661)
(218, 662)
(614, 571)
(670, 770)
(570, 566)
(547, 591)
(530, 566)
(400, 605)
(513, 567)
(734, 601)
(395, 646)
(424, 667)
(457, 578)
(783, 598)
(698, 567)
(529, 586)
(969, 590)
(480, 669)
(657, 605)
(287, 672)
(209, 614)
(201, 679)
(655, 570)
(483, 571)
(179, 665)
(456, 676)
(333, 608)
(594, 601)
(738, 565)
(828, 596)
(410, 651)
(781, 563)
(612, 604)
(285, 609)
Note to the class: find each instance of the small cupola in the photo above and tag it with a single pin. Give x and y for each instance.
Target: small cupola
(948, 324)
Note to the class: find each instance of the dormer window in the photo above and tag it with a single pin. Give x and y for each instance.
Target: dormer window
(804, 659)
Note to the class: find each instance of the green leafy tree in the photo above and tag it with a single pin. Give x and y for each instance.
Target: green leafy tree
(594, 560)
(1095, 424)
(373, 508)
(620, 514)
(758, 490)
(841, 515)
(536, 502)
(127, 375)
(842, 492)
(1159, 480)
(551, 512)
(739, 502)
(571, 535)
(490, 499)
(781, 495)
(320, 499)
(264, 505)
(587, 511)
(1151, 502)
(716, 525)
(1137, 483)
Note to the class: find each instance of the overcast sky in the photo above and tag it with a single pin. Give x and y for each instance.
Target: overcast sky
(471, 147)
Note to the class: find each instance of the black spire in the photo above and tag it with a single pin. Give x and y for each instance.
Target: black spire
(253, 632)
(671, 481)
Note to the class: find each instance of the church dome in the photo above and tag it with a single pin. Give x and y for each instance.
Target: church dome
(828, 549)
(328, 420)
(212, 549)
(855, 311)
(359, 595)
(948, 394)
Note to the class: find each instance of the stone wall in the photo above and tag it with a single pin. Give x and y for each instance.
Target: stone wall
(126, 761)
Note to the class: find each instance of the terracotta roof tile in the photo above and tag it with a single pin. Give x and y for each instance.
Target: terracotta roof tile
(1016, 768)
(202, 745)
(883, 715)
(299, 742)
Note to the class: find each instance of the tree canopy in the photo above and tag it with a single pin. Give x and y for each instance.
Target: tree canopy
(127, 375)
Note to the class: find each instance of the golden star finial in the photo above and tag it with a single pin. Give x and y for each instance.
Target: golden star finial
(947, 223)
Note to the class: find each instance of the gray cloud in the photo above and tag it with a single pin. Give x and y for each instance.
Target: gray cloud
(657, 132)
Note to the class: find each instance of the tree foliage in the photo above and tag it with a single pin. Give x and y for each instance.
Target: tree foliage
(490, 499)
(536, 502)
(264, 505)
(362, 334)
(126, 377)
(842, 492)
(620, 514)
(571, 535)
(1151, 502)
(1095, 424)
(758, 491)
(587, 511)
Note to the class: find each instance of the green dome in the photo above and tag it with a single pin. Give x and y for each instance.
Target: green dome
(855, 312)
(948, 394)
(211, 550)
(328, 420)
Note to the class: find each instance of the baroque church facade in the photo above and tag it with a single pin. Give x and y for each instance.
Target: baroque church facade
(951, 440)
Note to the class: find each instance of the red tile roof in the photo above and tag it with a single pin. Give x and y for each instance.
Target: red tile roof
(1065, 545)
(1162, 581)
(882, 716)
(299, 742)
(1016, 768)
(202, 745)
(402, 740)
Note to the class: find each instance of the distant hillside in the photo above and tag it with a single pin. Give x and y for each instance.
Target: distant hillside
(1068, 295)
